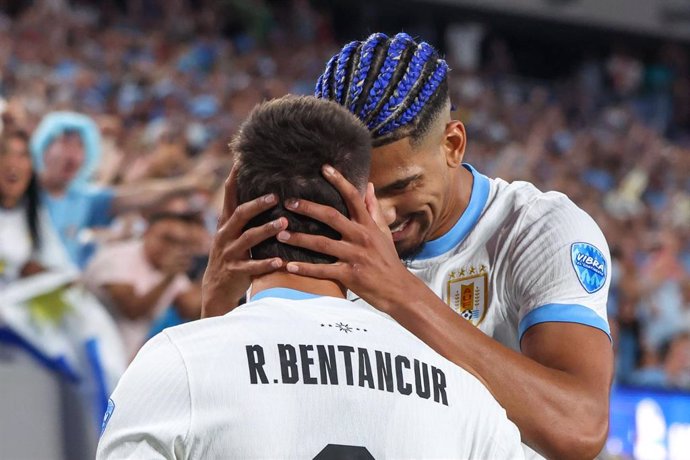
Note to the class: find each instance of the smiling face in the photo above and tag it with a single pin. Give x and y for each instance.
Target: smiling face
(15, 171)
(422, 188)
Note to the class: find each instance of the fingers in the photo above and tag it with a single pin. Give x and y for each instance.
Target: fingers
(261, 267)
(350, 194)
(242, 214)
(324, 214)
(374, 209)
(318, 243)
(230, 197)
(256, 235)
(334, 271)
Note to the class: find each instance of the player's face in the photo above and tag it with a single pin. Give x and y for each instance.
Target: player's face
(412, 187)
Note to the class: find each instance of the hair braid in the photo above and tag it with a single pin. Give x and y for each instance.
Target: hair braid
(426, 92)
(325, 79)
(413, 75)
(392, 60)
(344, 61)
(360, 73)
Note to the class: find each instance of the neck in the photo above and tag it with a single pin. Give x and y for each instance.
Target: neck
(52, 186)
(284, 279)
(462, 182)
(7, 202)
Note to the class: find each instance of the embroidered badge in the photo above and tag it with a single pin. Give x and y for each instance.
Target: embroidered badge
(467, 293)
(590, 266)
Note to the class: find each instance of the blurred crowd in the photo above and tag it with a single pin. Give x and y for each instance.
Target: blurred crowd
(614, 137)
(116, 119)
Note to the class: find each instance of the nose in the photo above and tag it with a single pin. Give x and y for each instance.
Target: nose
(388, 210)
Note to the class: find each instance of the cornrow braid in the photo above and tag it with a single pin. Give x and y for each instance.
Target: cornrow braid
(413, 75)
(426, 93)
(325, 79)
(392, 60)
(344, 62)
(366, 56)
(397, 87)
(319, 86)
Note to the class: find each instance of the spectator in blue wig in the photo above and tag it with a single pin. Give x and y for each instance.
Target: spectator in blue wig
(66, 149)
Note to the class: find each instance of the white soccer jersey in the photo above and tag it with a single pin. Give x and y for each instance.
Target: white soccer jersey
(518, 257)
(291, 375)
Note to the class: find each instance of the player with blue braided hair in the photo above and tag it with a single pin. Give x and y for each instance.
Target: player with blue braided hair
(525, 273)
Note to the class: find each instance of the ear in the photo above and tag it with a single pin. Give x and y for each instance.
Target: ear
(454, 141)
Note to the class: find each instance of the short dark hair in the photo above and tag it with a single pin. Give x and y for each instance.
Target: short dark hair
(281, 148)
(396, 86)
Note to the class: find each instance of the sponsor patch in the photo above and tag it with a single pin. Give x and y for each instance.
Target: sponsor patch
(590, 266)
(108, 413)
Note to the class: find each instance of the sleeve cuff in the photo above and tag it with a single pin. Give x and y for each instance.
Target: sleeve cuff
(563, 313)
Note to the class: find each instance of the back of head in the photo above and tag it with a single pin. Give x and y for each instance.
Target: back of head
(396, 86)
(281, 148)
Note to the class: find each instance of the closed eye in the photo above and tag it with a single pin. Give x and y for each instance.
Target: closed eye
(398, 186)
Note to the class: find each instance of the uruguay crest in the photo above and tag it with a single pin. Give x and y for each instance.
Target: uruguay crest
(467, 293)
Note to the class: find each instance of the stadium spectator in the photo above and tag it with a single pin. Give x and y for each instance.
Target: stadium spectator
(672, 369)
(139, 279)
(28, 241)
(66, 150)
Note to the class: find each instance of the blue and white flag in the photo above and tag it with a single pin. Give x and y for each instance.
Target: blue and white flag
(67, 330)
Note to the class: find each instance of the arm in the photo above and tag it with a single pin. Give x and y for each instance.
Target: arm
(133, 306)
(556, 393)
(149, 413)
(152, 192)
(229, 270)
(188, 303)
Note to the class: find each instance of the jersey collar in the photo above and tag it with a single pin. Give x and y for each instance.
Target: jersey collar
(467, 221)
(284, 293)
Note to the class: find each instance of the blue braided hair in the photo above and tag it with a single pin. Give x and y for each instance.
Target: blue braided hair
(366, 56)
(325, 80)
(397, 46)
(424, 95)
(396, 86)
(344, 58)
(411, 78)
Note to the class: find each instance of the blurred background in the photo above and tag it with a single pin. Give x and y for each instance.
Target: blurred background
(115, 121)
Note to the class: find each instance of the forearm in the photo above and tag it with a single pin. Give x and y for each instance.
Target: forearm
(189, 303)
(558, 414)
(135, 306)
(149, 193)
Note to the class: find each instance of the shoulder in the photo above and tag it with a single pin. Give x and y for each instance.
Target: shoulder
(536, 211)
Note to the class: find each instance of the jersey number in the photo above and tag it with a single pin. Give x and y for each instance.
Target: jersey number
(340, 452)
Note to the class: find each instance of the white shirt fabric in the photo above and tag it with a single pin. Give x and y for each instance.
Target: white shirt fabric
(16, 248)
(519, 257)
(289, 374)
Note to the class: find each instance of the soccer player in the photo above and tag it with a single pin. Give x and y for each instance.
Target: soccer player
(299, 371)
(525, 273)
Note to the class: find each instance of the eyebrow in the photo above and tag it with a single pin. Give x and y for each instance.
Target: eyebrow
(400, 184)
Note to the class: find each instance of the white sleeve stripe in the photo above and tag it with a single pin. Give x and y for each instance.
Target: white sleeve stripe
(563, 313)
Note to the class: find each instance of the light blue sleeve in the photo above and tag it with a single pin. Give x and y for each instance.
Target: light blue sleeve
(560, 267)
